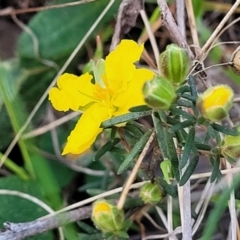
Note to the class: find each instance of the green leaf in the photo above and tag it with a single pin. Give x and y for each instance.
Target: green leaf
(125, 118)
(216, 174)
(214, 134)
(225, 130)
(182, 125)
(189, 171)
(189, 97)
(133, 130)
(134, 151)
(58, 31)
(172, 153)
(202, 146)
(160, 134)
(17, 209)
(187, 148)
(219, 208)
(35, 164)
(105, 148)
(184, 103)
(183, 89)
(180, 112)
(168, 188)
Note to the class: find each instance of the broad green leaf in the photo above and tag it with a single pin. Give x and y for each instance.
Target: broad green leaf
(58, 31)
(34, 163)
(17, 209)
(133, 153)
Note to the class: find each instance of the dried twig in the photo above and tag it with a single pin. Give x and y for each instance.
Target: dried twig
(126, 19)
(18, 231)
(170, 24)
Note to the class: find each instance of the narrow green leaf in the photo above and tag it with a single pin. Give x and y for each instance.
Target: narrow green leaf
(142, 108)
(184, 103)
(189, 97)
(219, 208)
(189, 171)
(133, 130)
(182, 125)
(168, 188)
(216, 174)
(192, 85)
(125, 118)
(183, 89)
(202, 146)
(161, 138)
(172, 153)
(187, 148)
(105, 148)
(225, 130)
(135, 150)
(180, 112)
(207, 138)
(113, 133)
(214, 134)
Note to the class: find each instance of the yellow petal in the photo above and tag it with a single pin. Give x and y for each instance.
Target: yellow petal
(73, 92)
(119, 64)
(133, 96)
(86, 130)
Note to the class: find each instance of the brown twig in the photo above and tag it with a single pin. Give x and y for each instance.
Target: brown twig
(170, 24)
(18, 231)
(126, 19)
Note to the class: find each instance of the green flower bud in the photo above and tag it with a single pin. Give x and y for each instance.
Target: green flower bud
(151, 193)
(231, 146)
(159, 93)
(216, 102)
(107, 217)
(174, 64)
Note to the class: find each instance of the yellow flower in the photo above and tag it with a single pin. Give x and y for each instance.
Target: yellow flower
(216, 102)
(118, 90)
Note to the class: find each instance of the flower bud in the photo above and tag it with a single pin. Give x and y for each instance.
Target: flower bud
(159, 93)
(174, 64)
(151, 193)
(215, 102)
(231, 146)
(107, 217)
